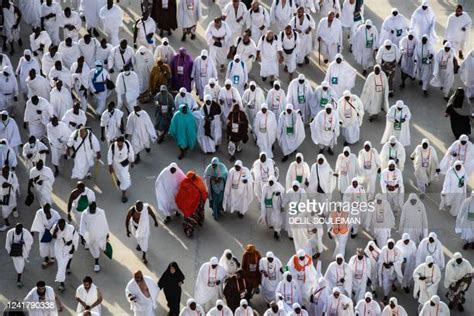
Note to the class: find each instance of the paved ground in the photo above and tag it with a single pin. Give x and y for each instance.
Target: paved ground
(168, 243)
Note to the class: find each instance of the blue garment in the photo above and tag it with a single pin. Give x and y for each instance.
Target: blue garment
(216, 177)
(183, 128)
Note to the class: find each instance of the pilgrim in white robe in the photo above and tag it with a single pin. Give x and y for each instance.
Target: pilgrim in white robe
(207, 283)
(265, 129)
(281, 13)
(321, 179)
(268, 50)
(23, 70)
(356, 197)
(462, 150)
(391, 183)
(465, 220)
(142, 305)
(9, 131)
(346, 169)
(187, 311)
(188, 13)
(426, 280)
(351, 114)
(369, 166)
(52, 19)
(144, 62)
(272, 206)
(291, 133)
(48, 61)
(141, 230)
(458, 30)
(227, 98)
(339, 275)
(43, 181)
(204, 68)
(223, 311)
(381, 220)
(398, 124)
(127, 87)
(246, 50)
(431, 246)
(394, 28)
(287, 293)
(33, 297)
(454, 189)
(425, 163)
(57, 137)
(323, 96)
(61, 101)
(85, 152)
(218, 40)
(299, 171)
(276, 99)
(393, 150)
(325, 128)
(423, 21)
(414, 220)
(141, 130)
(258, 21)
(238, 192)
(340, 306)
(300, 94)
(236, 18)
(374, 94)
(70, 53)
(97, 80)
(71, 25)
(304, 273)
(112, 22)
(39, 86)
(31, 12)
(341, 76)
(237, 72)
(263, 169)
(443, 69)
(439, 308)
(407, 50)
(271, 271)
(89, 297)
(166, 188)
(80, 82)
(320, 296)
(365, 43)
(74, 120)
(111, 121)
(94, 228)
(373, 252)
(361, 269)
(90, 10)
(389, 267)
(8, 89)
(9, 194)
(331, 42)
(164, 51)
(33, 152)
(423, 58)
(24, 238)
(146, 29)
(37, 116)
(116, 157)
(119, 57)
(93, 51)
(456, 271)
(327, 6)
(408, 250)
(212, 111)
(368, 308)
(39, 225)
(466, 73)
(304, 26)
(64, 242)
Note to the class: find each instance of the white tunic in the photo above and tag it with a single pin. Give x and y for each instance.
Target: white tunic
(141, 129)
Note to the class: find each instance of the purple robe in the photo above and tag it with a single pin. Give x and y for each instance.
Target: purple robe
(181, 67)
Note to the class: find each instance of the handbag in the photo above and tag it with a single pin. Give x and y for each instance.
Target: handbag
(16, 249)
(29, 199)
(108, 250)
(47, 237)
(110, 84)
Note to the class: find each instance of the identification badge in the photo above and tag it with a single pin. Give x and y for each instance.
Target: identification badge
(268, 202)
(424, 162)
(252, 267)
(461, 182)
(367, 164)
(399, 32)
(358, 275)
(397, 126)
(235, 128)
(299, 179)
(443, 65)
(348, 113)
(323, 102)
(334, 80)
(301, 99)
(378, 88)
(300, 277)
(289, 131)
(180, 70)
(369, 43)
(272, 276)
(262, 129)
(211, 282)
(236, 79)
(235, 186)
(190, 4)
(379, 217)
(470, 216)
(425, 60)
(164, 109)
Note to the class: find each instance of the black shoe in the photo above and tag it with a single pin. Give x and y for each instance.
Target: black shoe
(20, 42)
(264, 78)
(167, 220)
(276, 236)
(138, 248)
(446, 98)
(407, 290)
(161, 33)
(193, 36)
(169, 32)
(420, 82)
(124, 199)
(232, 158)
(95, 32)
(402, 85)
(56, 171)
(330, 152)
(285, 158)
(240, 215)
(326, 61)
(390, 94)
(425, 93)
(181, 156)
(183, 38)
(364, 72)
(472, 245)
(147, 150)
(137, 159)
(353, 236)
(306, 60)
(460, 308)
(346, 143)
(450, 305)
(466, 246)
(321, 151)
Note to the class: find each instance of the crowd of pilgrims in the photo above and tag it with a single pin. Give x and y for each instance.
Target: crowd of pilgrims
(66, 73)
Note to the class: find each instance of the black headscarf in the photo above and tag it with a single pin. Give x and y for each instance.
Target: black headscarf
(170, 280)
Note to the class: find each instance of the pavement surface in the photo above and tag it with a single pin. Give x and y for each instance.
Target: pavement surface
(168, 243)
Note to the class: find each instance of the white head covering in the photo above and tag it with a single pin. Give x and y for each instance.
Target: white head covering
(392, 139)
(447, 44)
(406, 236)
(228, 82)
(270, 254)
(238, 163)
(264, 106)
(182, 89)
(164, 40)
(387, 42)
(399, 104)
(300, 253)
(368, 295)
(207, 97)
(289, 107)
(346, 93)
(301, 77)
(237, 56)
(429, 259)
(457, 255)
(214, 261)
